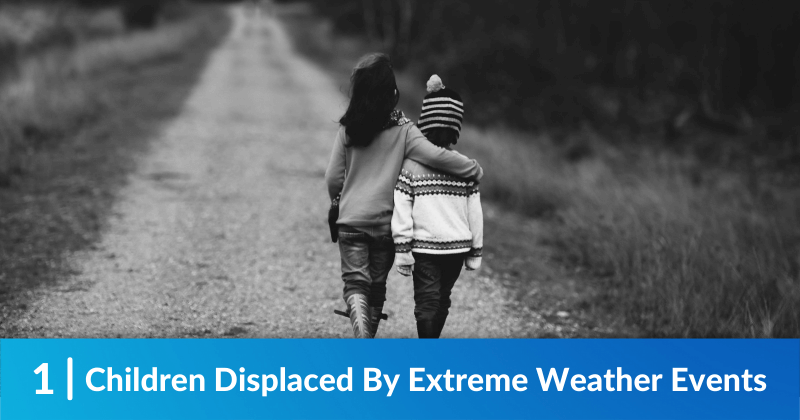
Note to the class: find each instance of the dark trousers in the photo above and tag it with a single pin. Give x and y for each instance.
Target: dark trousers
(367, 257)
(434, 278)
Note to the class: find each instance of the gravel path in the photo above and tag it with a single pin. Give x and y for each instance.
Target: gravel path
(221, 230)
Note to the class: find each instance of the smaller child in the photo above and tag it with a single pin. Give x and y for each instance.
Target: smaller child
(437, 225)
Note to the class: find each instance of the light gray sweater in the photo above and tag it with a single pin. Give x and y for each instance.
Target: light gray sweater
(371, 172)
(436, 213)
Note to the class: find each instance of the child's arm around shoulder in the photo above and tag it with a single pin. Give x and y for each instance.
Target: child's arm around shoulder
(402, 221)
(475, 216)
(418, 148)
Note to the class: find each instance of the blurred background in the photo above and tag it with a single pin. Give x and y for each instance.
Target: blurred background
(656, 142)
(83, 86)
(48, 50)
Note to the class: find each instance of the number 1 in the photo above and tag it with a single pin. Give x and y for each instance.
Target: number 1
(43, 370)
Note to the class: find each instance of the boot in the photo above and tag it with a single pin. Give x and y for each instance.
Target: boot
(375, 313)
(426, 328)
(359, 315)
(439, 325)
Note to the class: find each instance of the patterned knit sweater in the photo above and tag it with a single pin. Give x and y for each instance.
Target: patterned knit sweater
(435, 213)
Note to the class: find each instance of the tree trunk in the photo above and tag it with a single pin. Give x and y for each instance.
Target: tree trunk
(388, 26)
(5, 155)
(428, 25)
(561, 30)
(711, 64)
(370, 23)
(407, 8)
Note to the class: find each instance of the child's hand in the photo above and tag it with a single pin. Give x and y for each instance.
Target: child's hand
(405, 263)
(405, 269)
(472, 263)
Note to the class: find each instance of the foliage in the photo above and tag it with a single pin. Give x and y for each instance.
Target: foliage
(528, 62)
(141, 14)
(675, 254)
(45, 95)
(77, 119)
(678, 248)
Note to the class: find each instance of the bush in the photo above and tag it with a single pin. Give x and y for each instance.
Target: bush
(142, 14)
(92, 3)
(175, 10)
(673, 256)
(8, 67)
(53, 96)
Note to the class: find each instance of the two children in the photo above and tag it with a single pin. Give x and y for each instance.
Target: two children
(373, 141)
(437, 224)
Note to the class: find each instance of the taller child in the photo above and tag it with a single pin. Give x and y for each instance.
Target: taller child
(368, 152)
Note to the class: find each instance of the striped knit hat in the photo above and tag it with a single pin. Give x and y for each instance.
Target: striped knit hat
(442, 107)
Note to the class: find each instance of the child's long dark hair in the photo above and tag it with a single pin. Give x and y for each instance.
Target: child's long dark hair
(373, 96)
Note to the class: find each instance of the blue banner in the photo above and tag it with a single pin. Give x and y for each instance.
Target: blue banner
(281, 378)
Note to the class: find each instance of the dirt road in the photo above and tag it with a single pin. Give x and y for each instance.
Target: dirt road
(220, 231)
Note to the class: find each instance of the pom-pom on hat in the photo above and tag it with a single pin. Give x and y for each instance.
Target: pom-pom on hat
(442, 107)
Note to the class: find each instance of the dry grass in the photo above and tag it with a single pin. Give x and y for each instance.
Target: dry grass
(27, 29)
(682, 251)
(79, 118)
(677, 249)
(54, 94)
(137, 48)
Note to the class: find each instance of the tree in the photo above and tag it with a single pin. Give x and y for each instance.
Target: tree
(141, 14)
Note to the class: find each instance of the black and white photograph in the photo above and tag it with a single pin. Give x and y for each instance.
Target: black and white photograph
(399, 169)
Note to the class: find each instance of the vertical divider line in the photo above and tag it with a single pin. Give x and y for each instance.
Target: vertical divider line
(69, 379)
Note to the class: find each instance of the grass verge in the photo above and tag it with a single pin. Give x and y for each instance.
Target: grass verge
(77, 120)
(678, 250)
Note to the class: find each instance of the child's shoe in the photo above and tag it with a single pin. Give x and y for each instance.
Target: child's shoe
(375, 314)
